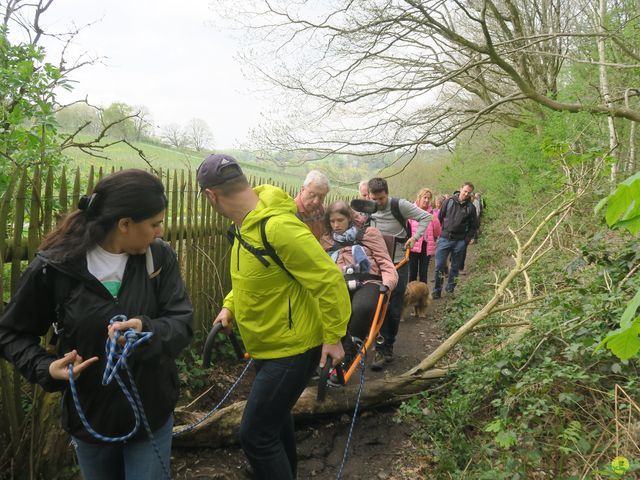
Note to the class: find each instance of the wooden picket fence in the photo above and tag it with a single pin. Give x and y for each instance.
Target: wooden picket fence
(36, 200)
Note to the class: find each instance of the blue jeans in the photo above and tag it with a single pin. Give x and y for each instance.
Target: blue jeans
(391, 324)
(267, 434)
(445, 247)
(133, 460)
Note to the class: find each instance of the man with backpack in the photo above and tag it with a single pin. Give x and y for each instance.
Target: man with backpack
(289, 300)
(459, 227)
(391, 219)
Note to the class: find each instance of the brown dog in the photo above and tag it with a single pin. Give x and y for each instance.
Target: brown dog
(417, 295)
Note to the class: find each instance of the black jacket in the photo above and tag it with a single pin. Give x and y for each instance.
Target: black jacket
(459, 220)
(163, 305)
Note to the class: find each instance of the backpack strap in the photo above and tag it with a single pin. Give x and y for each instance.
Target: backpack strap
(154, 259)
(259, 253)
(270, 251)
(61, 286)
(395, 211)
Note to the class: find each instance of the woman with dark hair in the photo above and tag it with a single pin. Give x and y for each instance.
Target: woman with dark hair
(362, 255)
(106, 259)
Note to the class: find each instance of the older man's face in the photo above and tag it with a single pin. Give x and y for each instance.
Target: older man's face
(364, 191)
(313, 196)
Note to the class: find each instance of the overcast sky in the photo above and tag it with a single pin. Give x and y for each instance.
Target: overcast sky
(173, 57)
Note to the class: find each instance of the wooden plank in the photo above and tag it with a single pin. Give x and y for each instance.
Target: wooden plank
(18, 224)
(90, 181)
(188, 238)
(181, 210)
(75, 196)
(5, 205)
(35, 205)
(64, 195)
(174, 211)
(48, 203)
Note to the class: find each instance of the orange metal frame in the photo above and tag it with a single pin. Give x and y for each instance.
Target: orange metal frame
(378, 319)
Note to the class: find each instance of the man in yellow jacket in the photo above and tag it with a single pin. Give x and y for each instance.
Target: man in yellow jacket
(290, 302)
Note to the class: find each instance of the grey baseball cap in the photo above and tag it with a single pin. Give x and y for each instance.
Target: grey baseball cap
(217, 169)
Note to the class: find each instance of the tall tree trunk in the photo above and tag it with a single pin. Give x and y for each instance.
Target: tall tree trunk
(604, 87)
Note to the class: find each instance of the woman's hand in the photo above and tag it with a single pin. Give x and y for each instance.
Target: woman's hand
(58, 369)
(134, 323)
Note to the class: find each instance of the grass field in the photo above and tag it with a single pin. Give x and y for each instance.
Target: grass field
(165, 157)
(431, 168)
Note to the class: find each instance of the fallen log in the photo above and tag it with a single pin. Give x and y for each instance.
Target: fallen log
(221, 429)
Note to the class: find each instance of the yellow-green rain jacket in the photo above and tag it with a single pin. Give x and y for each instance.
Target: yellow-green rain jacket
(277, 315)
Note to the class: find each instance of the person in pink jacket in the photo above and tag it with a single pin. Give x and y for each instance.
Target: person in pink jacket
(425, 247)
(362, 255)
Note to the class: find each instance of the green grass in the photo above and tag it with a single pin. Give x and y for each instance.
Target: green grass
(165, 157)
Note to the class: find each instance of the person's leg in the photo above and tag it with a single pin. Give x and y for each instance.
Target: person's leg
(266, 429)
(427, 261)
(288, 439)
(463, 258)
(442, 253)
(141, 460)
(100, 461)
(414, 260)
(456, 257)
(363, 308)
(422, 267)
(391, 324)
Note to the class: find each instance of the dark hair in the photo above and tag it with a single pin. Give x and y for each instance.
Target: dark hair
(377, 185)
(339, 206)
(131, 193)
(469, 184)
(233, 185)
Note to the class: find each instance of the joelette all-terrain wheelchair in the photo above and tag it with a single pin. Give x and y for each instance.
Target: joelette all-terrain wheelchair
(365, 207)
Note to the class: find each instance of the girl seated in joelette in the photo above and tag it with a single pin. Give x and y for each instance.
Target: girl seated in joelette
(362, 255)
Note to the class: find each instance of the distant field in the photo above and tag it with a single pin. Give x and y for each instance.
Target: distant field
(164, 157)
(431, 168)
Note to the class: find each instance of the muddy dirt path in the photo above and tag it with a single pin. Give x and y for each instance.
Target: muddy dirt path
(379, 448)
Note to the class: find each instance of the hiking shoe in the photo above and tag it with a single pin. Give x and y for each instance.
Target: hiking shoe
(249, 472)
(388, 356)
(379, 360)
(435, 295)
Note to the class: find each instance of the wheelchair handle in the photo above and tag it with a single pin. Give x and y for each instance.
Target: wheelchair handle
(323, 381)
(208, 345)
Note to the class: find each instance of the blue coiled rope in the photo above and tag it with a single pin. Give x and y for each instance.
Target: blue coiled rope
(116, 359)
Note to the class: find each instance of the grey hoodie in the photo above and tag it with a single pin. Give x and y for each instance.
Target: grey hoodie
(384, 221)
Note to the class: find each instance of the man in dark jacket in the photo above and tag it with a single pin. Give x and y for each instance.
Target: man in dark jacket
(459, 226)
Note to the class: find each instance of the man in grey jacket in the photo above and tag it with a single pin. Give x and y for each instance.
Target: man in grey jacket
(391, 219)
